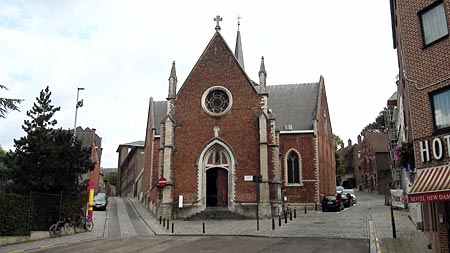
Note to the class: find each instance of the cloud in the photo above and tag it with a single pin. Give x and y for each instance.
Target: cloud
(122, 51)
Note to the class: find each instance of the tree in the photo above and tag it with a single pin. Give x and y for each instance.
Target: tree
(8, 104)
(4, 169)
(112, 178)
(340, 168)
(378, 126)
(46, 159)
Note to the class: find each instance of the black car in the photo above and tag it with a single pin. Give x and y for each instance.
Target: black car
(347, 200)
(332, 202)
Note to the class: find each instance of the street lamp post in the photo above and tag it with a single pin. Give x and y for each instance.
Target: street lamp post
(78, 104)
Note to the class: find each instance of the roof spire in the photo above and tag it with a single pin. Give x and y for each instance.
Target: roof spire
(238, 49)
(172, 83)
(239, 21)
(218, 19)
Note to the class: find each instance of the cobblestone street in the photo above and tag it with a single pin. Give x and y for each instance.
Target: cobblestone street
(369, 220)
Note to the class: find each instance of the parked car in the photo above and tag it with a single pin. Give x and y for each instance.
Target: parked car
(332, 202)
(347, 200)
(339, 189)
(352, 193)
(104, 195)
(99, 202)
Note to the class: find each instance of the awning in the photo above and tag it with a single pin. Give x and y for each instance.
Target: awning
(432, 184)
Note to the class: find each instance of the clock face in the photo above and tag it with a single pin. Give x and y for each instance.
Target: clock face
(217, 101)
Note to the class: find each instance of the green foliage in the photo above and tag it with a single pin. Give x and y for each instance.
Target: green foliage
(337, 141)
(112, 178)
(406, 153)
(340, 167)
(14, 218)
(46, 159)
(5, 169)
(378, 126)
(37, 211)
(8, 104)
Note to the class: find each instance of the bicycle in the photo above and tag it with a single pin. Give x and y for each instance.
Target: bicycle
(60, 226)
(83, 224)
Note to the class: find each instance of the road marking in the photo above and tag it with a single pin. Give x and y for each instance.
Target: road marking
(15, 251)
(377, 244)
(46, 246)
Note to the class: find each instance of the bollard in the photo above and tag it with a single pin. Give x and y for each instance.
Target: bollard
(305, 210)
(295, 214)
(203, 227)
(285, 218)
(164, 222)
(279, 221)
(167, 224)
(273, 224)
(173, 227)
(316, 206)
(290, 215)
(160, 220)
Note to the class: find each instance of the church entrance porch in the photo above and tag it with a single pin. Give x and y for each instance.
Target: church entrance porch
(217, 187)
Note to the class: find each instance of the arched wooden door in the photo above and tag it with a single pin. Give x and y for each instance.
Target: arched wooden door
(217, 187)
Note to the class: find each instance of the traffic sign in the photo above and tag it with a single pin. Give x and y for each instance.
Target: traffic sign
(162, 181)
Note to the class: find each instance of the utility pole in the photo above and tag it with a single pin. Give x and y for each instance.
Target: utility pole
(78, 104)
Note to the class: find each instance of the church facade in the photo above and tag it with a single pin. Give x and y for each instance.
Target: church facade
(220, 130)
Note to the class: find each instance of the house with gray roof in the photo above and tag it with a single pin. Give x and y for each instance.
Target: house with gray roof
(223, 141)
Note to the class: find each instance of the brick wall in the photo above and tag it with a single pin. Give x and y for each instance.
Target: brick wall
(194, 128)
(304, 144)
(423, 70)
(325, 145)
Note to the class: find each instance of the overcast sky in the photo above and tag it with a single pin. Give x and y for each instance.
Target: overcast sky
(121, 53)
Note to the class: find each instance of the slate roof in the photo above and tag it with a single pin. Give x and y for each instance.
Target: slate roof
(294, 104)
(134, 144)
(159, 113)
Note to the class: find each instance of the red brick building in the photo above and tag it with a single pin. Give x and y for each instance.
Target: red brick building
(421, 36)
(221, 128)
(374, 166)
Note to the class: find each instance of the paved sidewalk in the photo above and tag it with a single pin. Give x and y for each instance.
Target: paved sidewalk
(377, 228)
(99, 218)
(408, 239)
(369, 221)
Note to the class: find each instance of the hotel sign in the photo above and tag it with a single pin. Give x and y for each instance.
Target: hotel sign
(434, 149)
(428, 197)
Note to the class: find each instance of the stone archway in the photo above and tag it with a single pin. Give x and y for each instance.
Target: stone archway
(215, 175)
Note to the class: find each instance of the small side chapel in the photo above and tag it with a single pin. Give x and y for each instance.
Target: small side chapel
(220, 128)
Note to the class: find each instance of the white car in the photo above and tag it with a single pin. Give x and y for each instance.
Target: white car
(339, 189)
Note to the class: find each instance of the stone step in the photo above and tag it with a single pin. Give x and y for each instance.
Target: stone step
(216, 213)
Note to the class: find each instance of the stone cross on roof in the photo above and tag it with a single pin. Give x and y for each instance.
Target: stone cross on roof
(218, 19)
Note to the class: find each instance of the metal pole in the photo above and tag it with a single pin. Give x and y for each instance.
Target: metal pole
(76, 112)
(394, 233)
(257, 205)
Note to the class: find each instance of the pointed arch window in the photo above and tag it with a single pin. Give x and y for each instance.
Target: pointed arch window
(293, 168)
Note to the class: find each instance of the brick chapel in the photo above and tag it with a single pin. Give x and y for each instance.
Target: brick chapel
(220, 128)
